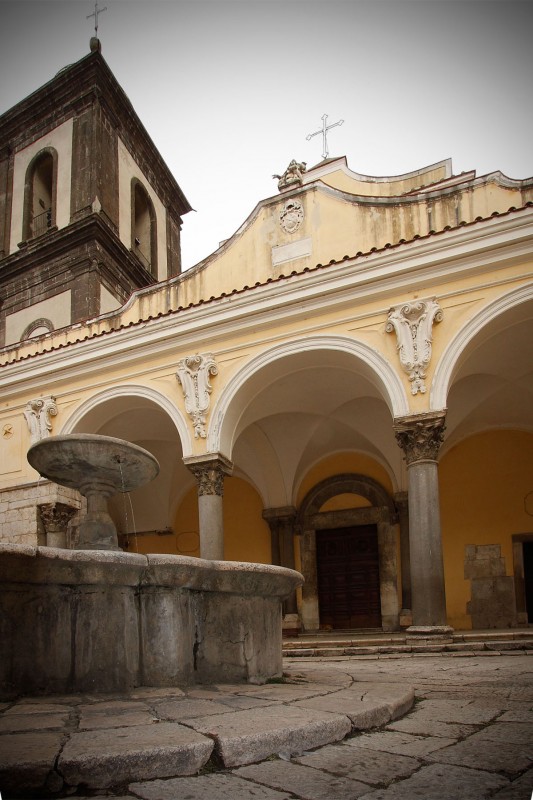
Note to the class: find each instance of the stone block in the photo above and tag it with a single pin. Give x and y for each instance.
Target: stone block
(303, 781)
(359, 763)
(100, 759)
(503, 757)
(26, 761)
(443, 783)
(205, 787)
(244, 737)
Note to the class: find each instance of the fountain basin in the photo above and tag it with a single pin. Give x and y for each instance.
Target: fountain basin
(108, 621)
(99, 467)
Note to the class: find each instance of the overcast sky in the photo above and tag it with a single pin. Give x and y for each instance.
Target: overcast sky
(229, 89)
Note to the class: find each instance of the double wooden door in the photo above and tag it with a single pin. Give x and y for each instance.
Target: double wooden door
(348, 577)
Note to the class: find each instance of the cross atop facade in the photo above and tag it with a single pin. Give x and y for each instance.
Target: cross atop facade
(324, 131)
(95, 15)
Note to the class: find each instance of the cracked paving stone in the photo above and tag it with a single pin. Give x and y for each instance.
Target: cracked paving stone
(519, 789)
(361, 764)
(455, 711)
(304, 781)
(33, 722)
(428, 727)
(206, 787)
(515, 732)
(246, 736)
(520, 713)
(442, 783)
(188, 708)
(485, 754)
(405, 744)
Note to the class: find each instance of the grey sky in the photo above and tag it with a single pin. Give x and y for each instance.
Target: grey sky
(229, 89)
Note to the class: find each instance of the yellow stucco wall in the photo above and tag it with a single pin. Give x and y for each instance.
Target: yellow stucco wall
(489, 471)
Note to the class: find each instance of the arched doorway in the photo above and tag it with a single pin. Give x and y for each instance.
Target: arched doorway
(349, 556)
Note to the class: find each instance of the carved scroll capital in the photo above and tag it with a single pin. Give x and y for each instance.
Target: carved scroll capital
(56, 516)
(420, 436)
(209, 473)
(413, 323)
(193, 374)
(38, 415)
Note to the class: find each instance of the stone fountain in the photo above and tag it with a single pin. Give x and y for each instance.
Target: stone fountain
(99, 467)
(96, 619)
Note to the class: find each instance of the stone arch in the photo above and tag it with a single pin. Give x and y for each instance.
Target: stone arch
(143, 227)
(38, 327)
(125, 391)
(40, 194)
(229, 406)
(451, 357)
(382, 513)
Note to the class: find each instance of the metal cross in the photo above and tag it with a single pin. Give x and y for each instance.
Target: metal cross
(324, 132)
(95, 15)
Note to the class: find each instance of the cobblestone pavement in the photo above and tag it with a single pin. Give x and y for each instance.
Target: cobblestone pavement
(468, 736)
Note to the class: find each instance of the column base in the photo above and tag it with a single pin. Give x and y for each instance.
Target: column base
(431, 633)
(291, 625)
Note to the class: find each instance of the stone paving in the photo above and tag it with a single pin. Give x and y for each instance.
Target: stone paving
(469, 735)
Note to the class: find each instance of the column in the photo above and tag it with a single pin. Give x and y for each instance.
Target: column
(209, 472)
(281, 522)
(420, 437)
(401, 501)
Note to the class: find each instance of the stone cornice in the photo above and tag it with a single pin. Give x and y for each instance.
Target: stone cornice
(103, 342)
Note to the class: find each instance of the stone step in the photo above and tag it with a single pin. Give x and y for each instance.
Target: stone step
(402, 645)
(58, 745)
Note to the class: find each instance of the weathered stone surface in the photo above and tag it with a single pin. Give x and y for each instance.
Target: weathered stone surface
(188, 709)
(105, 758)
(428, 727)
(246, 736)
(26, 760)
(32, 722)
(303, 781)
(32, 707)
(368, 705)
(402, 743)
(485, 754)
(519, 789)
(442, 783)
(515, 732)
(360, 763)
(206, 787)
(464, 712)
(111, 719)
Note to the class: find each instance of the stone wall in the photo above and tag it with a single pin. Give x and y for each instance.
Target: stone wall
(493, 602)
(20, 520)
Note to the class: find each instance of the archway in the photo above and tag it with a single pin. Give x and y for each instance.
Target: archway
(349, 555)
(144, 518)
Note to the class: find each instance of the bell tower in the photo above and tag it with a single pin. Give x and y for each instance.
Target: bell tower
(89, 211)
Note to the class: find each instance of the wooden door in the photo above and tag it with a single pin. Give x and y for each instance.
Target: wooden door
(348, 577)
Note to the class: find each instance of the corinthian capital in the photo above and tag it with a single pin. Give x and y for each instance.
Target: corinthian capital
(420, 436)
(209, 472)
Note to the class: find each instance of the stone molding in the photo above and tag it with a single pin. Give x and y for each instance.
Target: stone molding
(37, 415)
(209, 472)
(420, 436)
(413, 323)
(193, 374)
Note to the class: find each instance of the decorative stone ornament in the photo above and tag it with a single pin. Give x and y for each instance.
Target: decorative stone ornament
(413, 323)
(292, 175)
(291, 216)
(420, 436)
(37, 414)
(193, 374)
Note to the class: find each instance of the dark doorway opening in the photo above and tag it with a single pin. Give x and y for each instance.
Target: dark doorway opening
(528, 578)
(348, 577)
